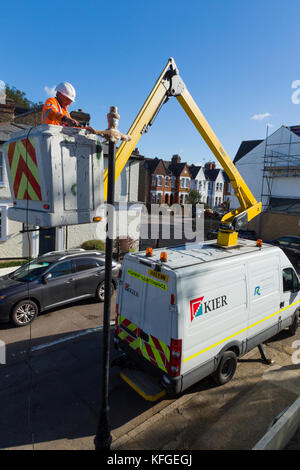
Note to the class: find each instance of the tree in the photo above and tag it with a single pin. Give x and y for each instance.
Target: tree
(19, 98)
(194, 197)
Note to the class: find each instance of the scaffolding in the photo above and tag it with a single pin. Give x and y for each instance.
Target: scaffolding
(277, 164)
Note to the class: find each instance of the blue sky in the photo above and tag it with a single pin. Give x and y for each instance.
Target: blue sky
(238, 59)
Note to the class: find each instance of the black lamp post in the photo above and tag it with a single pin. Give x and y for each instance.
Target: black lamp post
(103, 437)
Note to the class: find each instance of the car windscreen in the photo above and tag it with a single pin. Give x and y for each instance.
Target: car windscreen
(30, 271)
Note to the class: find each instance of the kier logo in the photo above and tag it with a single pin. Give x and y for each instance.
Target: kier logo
(129, 289)
(196, 307)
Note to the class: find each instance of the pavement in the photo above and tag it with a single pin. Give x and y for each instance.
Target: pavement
(50, 400)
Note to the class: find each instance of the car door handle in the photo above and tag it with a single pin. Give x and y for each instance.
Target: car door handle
(281, 304)
(70, 280)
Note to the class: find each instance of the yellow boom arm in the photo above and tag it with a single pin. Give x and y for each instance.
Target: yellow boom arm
(170, 84)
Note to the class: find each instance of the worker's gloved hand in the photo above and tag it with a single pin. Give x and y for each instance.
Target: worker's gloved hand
(69, 122)
(90, 129)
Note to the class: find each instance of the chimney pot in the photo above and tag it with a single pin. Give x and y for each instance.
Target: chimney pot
(176, 158)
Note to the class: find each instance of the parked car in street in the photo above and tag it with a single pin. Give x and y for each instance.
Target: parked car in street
(210, 214)
(290, 244)
(53, 280)
(247, 234)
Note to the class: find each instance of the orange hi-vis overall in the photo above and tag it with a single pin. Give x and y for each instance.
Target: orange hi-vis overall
(53, 112)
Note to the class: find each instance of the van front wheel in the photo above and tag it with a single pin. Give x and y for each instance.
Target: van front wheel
(226, 368)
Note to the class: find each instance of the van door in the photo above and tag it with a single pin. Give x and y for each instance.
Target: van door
(131, 304)
(157, 319)
(60, 287)
(264, 299)
(289, 300)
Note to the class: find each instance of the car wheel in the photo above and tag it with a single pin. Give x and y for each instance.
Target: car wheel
(226, 368)
(100, 292)
(24, 313)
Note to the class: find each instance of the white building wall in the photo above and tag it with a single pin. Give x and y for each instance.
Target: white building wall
(214, 193)
(203, 187)
(218, 193)
(285, 186)
(250, 166)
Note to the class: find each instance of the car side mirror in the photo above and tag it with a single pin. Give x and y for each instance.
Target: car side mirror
(46, 278)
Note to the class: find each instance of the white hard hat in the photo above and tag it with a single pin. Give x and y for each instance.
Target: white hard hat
(66, 89)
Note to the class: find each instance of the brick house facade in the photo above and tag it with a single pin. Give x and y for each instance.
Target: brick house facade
(166, 182)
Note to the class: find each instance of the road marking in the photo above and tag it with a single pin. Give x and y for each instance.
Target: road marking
(40, 347)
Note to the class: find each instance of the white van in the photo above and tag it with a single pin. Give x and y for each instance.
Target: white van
(195, 313)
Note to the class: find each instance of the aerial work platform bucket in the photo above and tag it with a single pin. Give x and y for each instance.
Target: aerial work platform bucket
(55, 175)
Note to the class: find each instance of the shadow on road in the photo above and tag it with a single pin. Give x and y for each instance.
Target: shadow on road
(53, 397)
(56, 394)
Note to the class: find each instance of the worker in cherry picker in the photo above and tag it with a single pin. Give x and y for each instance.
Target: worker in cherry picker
(55, 110)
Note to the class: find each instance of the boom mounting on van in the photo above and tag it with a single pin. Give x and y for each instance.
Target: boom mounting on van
(171, 84)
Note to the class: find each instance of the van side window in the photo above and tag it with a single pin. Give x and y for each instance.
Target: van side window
(290, 280)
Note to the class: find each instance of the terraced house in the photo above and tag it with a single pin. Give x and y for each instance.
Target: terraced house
(166, 182)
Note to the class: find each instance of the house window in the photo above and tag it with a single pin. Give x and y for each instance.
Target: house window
(184, 182)
(173, 181)
(152, 198)
(3, 223)
(153, 180)
(220, 186)
(159, 198)
(167, 181)
(159, 180)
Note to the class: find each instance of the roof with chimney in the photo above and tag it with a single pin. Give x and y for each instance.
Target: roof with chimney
(246, 147)
(151, 164)
(176, 168)
(212, 175)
